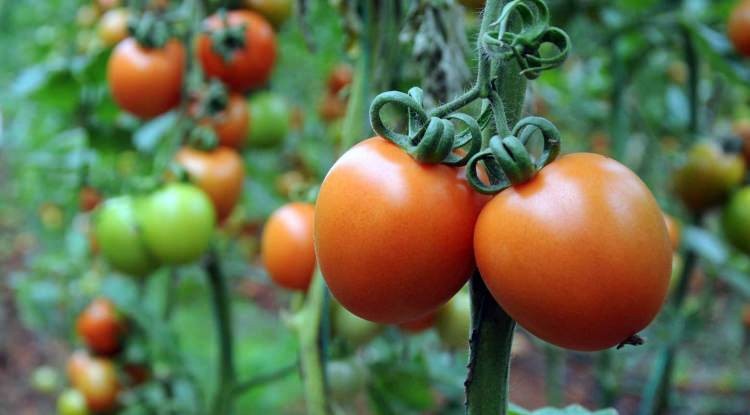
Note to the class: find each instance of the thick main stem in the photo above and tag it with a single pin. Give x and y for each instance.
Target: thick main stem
(222, 402)
(489, 361)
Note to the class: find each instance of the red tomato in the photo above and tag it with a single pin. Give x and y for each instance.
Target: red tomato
(340, 77)
(287, 246)
(579, 255)
(101, 328)
(99, 385)
(88, 198)
(146, 82)
(76, 364)
(248, 68)
(393, 236)
(738, 28)
(233, 124)
(219, 172)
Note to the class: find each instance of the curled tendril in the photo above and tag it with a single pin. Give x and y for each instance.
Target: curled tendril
(508, 162)
(429, 139)
(524, 42)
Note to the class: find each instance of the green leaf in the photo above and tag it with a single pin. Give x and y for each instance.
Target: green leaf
(398, 387)
(150, 134)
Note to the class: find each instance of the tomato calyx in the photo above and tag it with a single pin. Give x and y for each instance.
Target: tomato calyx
(151, 31)
(229, 38)
(634, 340)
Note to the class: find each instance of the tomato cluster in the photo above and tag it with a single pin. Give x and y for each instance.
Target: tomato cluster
(396, 239)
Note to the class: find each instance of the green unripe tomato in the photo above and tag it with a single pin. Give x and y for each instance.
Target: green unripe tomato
(45, 379)
(72, 402)
(345, 378)
(354, 330)
(269, 120)
(707, 176)
(454, 321)
(118, 235)
(177, 223)
(736, 220)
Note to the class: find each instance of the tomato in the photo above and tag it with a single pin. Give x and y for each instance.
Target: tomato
(249, 67)
(707, 176)
(353, 330)
(579, 255)
(345, 378)
(270, 119)
(393, 237)
(419, 325)
(108, 4)
(736, 220)
(146, 82)
(45, 379)
(331, 108)
(72, 402)
(177, 223)
(52, 216)
(290, 182)
(742, 129)
(86, 16)
(113, 26)
(276, 11)
(233, 124)
(219, 172)
(88, 198)
(101, 327)
(340, 78)
(287, 246)
(454, 321)
(674, 230)
(117, 236)
(738, 27)
(99, 385)
(76, 364)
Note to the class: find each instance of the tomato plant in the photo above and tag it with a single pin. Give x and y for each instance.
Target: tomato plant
(559, 251)
(134, 69)
(738, 27)
(118, 236)
(72, 402)
(454, 321)
(708, 175)
(355, 331)
(247, 67)
(177, 223)
(99, 385)
(113, 26)
(220, 173)
(101, 327)
(233, 123)
(269, 115)
(375, 241)
(287, 247)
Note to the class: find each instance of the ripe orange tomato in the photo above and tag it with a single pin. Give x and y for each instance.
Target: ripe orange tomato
(88, 198)
(674, 230)
(100, 327)
(287, 246)
(113, 26)
(579, 255)
(340, 77)
(248, 68)
(332, 107)
(99, 385)
(76, 364)
(707, 176)
(738, 28)
(232, 125)
(219, 172)
(393, 237)
(146, 82)
(419, 325)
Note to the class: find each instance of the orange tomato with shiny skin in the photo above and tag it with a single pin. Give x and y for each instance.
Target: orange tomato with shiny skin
(249, 67)
(101, 327)
(738, 27)
(146, 82)
(579, 256)
(219, 172)
(232, 125)
(394, 237)
(99, 384)
(287, 247)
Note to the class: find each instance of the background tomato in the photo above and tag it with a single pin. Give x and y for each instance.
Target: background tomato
(45, 379)
(88, 198)
(341, 76)
(355, 331)
(287, 247)
(99, 385)
(276, 11)
(76, 363)
(708, 175)
(345, 378)
(393, 237)
(117, 236)
(146, 82)
(454, 321)
(269, 115)
(579, 256)
(736, 220)
(219, 172)
(177, 223)
(738, 27)
(72, 402)
(249, 67)
(101, 327)
(233, 124)
(742, 129)
(113, 26)
(674, 230)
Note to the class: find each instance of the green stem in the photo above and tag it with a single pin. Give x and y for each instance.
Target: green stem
(489, 360)
(222, 403)
(306, 322)
(618, 117)
(170, 294)
(691, 59)
(243, 386)
(355, 126)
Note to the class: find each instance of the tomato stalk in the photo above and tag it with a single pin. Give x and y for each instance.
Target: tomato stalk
(222, 402)
(243, 386)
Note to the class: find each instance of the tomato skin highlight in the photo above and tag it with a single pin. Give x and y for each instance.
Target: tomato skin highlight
(579, 255)
(287, 249)
(101, 328)
(146, 82)
(250, 67)
(738, 27)
(393, 237)
(219, 172)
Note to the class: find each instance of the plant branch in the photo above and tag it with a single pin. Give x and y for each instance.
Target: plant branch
(222, 403)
